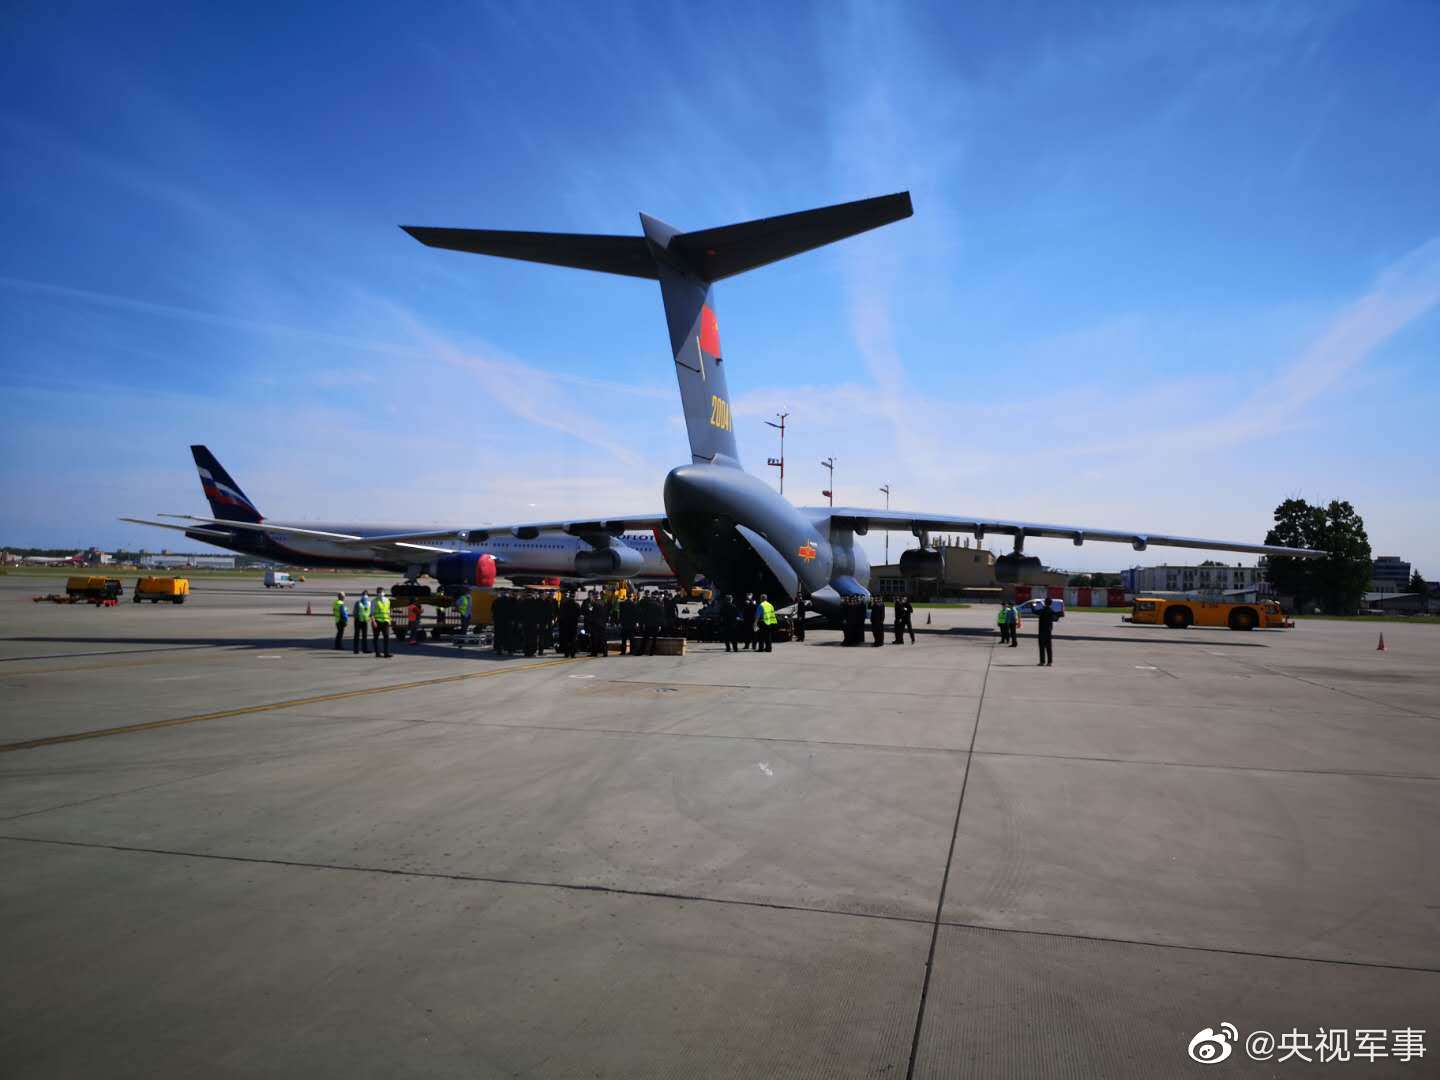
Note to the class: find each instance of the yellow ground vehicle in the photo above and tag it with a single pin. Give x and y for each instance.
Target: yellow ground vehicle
(1179, 612)
(171, 589)
(93, 588)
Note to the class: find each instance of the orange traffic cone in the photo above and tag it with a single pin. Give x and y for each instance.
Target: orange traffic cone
(1382, 647)
(307, 608)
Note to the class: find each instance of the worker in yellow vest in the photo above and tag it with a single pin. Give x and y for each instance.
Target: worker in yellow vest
(342, 616)
(380, 616)
(767, 623)
(462, 606)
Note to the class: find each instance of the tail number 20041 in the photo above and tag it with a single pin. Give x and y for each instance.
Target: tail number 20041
(719, 413)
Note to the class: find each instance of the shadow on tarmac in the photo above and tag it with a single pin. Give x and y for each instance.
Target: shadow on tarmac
(190, 644)
(986, 632)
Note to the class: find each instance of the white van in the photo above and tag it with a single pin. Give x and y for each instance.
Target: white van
(278, 579)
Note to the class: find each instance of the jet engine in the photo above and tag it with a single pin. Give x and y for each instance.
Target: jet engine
(1010, 567)
(465, 569)
(617, 561)
(921, 563)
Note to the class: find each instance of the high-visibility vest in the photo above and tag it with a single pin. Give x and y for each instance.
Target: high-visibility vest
(413, 612)
(1000, 617)
(339, 608)
(382, 609)
(362, 609)
(463, 605)
(767, 613)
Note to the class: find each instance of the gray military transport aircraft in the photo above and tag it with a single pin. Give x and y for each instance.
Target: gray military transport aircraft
(732, 526)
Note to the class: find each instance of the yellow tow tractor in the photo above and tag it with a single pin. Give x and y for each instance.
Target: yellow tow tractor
(156, 589)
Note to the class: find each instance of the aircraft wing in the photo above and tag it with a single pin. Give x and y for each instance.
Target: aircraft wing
(863, 520)
(194, 530)
(395, 540)
(584, 528)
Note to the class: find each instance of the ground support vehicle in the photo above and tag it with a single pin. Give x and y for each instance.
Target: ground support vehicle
(1179, 612)
(156, 589)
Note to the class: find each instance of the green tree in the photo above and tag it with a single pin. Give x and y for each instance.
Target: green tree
(1418, 585)
(1336, 581)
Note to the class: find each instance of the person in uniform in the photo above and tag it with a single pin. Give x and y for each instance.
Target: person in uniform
(877, 621)
(652, 617)
(413, 613)
(1043, 636)
(1002, 621)
(800, 615)
(342, 616)
(361, 614)
(380, 617)
(530, 623)
(1012, 616)
(462, 608)
(729, 624)
(595, 625)
(629, 613)
(672, 614)
(904, 612)
(569, 624)
(857, 620)
(765, 625)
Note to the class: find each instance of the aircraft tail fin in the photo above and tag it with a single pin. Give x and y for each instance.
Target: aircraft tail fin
(687, 265)
(227, 501)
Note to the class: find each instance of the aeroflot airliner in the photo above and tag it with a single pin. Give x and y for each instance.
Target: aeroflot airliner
(444, 554)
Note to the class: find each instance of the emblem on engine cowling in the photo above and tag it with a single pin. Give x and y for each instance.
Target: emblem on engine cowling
(807, 551)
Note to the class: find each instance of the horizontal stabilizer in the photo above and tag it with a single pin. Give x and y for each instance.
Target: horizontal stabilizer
(719, 253)
(710, 254)
(626, 255)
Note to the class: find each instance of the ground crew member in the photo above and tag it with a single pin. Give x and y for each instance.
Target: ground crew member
(1047, 625)
(1013, 615)
(904, 611)
(766, 625)
(342, 616)
(800, 615)
(672, 614)
(730, 624)
(362, 621)
(1002, 620)
(877, 621)
(462, 608)
(413, 613)
(380, 616)
(747, 621)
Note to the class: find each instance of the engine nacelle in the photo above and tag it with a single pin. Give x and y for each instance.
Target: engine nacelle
(617, 561)
(920, 563)
(1010, 568)
(465, 569)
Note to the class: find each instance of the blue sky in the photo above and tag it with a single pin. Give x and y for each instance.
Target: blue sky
(1170, 263)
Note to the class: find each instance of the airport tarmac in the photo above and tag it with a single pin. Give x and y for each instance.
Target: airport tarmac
(228, 850)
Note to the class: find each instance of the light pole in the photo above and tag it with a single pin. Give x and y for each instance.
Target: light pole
(886, 489)
(829, 493)
(780, 461)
